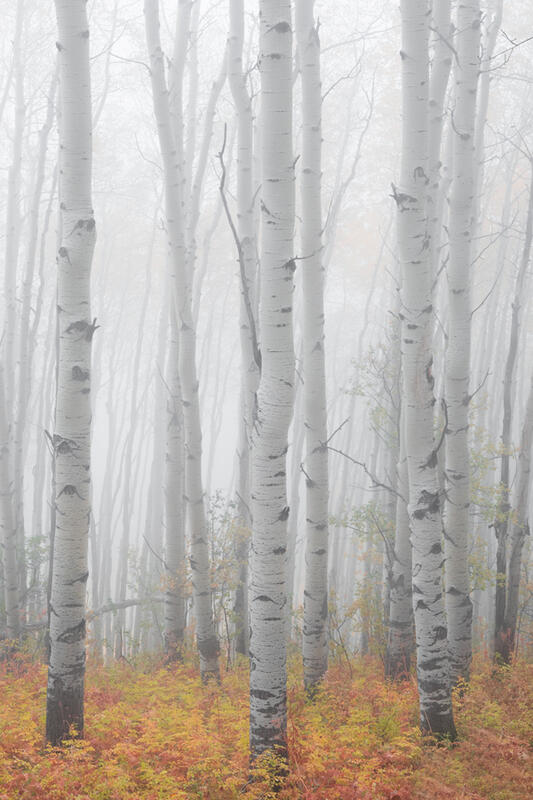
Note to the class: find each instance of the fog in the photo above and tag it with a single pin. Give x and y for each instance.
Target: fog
(157, 327)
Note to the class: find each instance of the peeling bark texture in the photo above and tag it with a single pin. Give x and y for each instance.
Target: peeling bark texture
(174, 516)
(417, 317)
(457, 362)
(170, 133)
(315, 632)
(248, 307)
(268, 602)
(501, 523)
(71, 440)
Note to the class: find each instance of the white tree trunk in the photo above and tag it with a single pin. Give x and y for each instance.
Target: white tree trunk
(248, 307)
(13, 489)
(417, 312)
(174, 516)
(294, 489)
(400, 634)
(71, 438)
(8, 538)
(268, 602)
(401, 640)
(495, 10)
(457, 361)
(127, 494)
(441, 40)
(315, 635)
(171, 153)
(520, 524)
(501, 523)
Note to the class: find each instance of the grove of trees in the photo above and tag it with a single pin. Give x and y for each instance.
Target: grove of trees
(266, 396)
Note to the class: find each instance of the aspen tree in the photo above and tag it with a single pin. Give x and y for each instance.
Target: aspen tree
(315, 639)
(400, 636)
(400, 618)
(294, 482)
(392, 405)
(501, 523)
(494, 12)
(127, 494)
(268, 601)
(441, 39)
(520, 525)
(457, 360)
(12, 517)
(250, 353)
(7, 531)
(417, 323)
(71, 439)
(171, 146)
(174, 517)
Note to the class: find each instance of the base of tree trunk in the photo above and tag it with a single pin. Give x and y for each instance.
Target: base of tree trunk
(439, 726)
(64, 711)
(174, 648)
(398, 667)
(209, 650)
(240, 612)
(503, 646)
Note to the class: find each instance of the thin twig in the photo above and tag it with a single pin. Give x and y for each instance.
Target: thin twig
(377, 483)
(242, 267)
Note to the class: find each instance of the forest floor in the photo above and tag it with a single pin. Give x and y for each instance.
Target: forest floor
(156, 733)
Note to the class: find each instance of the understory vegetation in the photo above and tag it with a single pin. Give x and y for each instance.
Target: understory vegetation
(155, 732)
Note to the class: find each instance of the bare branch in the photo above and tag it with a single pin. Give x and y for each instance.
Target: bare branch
(240, 252)
(376, 484)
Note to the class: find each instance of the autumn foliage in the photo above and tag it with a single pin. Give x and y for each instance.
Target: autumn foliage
(156, 733)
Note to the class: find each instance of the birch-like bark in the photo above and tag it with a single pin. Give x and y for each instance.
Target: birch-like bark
(501, 523)
(399, 620)
(400, 635)
(191, 51)
(315, 639)
(174, 506)
(71, 440)
(417, 317)
(495, 11)
(441, 41)
(248, 305)
(268, 602)
(457, 361)
(294, 483)
(171, 154)
(393, 430)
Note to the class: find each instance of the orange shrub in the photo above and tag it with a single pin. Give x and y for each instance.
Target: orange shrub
(159, 734)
